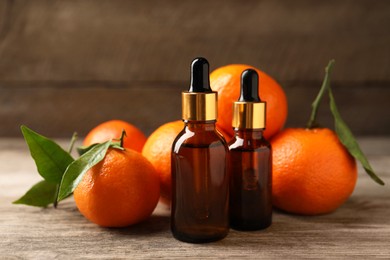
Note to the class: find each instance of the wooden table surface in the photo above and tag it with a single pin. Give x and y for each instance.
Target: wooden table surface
(360, 228)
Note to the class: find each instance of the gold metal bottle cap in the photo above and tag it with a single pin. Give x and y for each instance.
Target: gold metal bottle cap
(249, 115)
(199, 106)
(199, 103)
(249, 111)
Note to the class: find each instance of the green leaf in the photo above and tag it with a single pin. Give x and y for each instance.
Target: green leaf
(76, 170)
(83, 149)
(51, 160)
(343, 132)
(348, 140)
(40, 195)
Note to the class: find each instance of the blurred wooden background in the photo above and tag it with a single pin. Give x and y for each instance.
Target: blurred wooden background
(69, 65)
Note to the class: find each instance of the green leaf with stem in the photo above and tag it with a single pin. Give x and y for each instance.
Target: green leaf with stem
(117, 145)
(77, 169)
(51, 160)
(342, 130)
(90, 156)
(42, 150)
(40, 195)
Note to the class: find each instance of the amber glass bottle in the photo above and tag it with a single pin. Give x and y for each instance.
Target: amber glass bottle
(249, 159)
(200, 185)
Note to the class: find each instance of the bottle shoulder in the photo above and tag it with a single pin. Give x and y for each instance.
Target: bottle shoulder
(238, 143)
(199, 139)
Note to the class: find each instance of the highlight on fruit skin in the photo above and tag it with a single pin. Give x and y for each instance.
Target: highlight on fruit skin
(313, 173)
(226, 81)
(112, 129)
(122, 190)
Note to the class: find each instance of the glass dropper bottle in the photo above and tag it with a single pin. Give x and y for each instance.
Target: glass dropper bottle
(200, 185)
(249, 166)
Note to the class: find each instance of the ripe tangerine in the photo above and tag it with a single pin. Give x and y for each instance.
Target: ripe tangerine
(226, 81)
(122, 190)
(313, 173)
(157, 150)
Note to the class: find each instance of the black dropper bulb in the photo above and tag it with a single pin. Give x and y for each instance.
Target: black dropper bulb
(249, 86)
(200, 76)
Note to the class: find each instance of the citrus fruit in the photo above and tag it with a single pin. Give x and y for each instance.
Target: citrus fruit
(313, 173)
(112, 129)
(157, 150)
(226, 81)
(123, 189)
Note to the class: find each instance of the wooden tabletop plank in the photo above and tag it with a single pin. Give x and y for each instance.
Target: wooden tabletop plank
(360, 228)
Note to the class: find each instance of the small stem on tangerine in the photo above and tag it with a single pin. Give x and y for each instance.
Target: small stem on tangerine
(72, 141)
(71, 144)
(123, 135)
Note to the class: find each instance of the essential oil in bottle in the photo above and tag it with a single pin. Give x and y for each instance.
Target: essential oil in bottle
(249, 166)
(200, 184)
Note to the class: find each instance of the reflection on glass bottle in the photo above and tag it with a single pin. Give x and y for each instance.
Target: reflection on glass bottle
(250, 161)
(200, 186)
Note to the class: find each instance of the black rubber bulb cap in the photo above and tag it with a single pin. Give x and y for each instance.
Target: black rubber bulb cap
(200, 81)
(249, 86)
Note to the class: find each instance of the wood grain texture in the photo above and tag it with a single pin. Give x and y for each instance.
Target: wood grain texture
(46, 40)
(69, 65)
(359, 229)
(59, 111)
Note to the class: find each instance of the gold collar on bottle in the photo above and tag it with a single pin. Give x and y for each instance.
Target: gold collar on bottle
(249, 115)
(199, 106)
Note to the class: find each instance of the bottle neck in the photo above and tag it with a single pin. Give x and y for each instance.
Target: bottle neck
(196, 126)
(247, 134)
